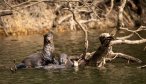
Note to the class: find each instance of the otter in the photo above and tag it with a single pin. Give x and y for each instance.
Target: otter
(64, 62)
(42, 58)
(45, 59)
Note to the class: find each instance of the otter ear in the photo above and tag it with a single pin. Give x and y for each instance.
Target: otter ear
(45, 35)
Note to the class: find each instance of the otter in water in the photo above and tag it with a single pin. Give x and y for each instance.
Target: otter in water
(64, 62)
(42, 58)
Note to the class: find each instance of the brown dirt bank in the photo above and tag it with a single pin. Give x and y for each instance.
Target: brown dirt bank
(44, 16)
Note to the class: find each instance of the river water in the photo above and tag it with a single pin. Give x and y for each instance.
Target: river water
(116, 72)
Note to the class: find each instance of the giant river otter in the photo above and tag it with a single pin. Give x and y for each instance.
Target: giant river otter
(42, 58)
(64, 62)
(45, 58)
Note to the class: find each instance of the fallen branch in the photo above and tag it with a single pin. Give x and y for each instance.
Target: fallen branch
(114, 42)
(105, 53)
(144, 66)
(141, 28)
(11, 6)
(84, 30)
(128, 57)
(40, 1)
(125, 37)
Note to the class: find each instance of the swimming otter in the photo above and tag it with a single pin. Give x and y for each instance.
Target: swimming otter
(42, 58)
(64, 62)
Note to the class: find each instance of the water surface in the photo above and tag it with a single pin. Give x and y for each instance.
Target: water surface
(116, 72)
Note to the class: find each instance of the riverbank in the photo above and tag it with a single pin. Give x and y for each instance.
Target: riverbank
(28, 19)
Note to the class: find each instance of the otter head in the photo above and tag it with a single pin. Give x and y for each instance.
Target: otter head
(105, 38)
(48, 38)
(63, 58)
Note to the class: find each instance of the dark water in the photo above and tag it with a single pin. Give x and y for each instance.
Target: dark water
(116, 72)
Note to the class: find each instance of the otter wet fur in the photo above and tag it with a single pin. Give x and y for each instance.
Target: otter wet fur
(42, 58)
(64, 62)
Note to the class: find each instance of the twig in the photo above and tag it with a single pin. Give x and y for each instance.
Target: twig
(120, 16)
(112, 5)
(114, 42)
(125, 37)
(39, 1)
(11, 6)
(2, 24)
(128, 57)
(94, 12)
(135, 31)
(142, 66)
(84, 30)
(64, 18)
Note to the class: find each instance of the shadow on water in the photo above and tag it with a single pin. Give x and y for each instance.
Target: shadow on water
(117, 72)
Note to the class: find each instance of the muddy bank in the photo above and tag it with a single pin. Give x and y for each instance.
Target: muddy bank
(39, 17)
(34, 19)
